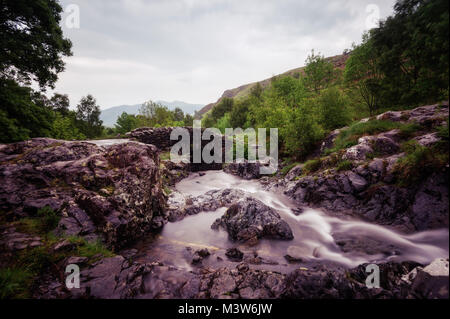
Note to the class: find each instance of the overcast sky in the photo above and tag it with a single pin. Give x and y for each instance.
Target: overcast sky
(129, 51)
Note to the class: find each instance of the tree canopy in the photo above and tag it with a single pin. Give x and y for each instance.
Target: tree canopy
(31, 29)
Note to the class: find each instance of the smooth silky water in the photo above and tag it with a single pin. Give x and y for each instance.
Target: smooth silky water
(318, 237)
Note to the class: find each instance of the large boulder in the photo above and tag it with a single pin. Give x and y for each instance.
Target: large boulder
(112, 192)
(382, 144)
(180, 206)
(429, 115)
(334, 282)
(250, 169)
(249, 220)
(431, 282)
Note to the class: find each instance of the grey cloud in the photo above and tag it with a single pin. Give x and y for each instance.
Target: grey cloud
(127, 51)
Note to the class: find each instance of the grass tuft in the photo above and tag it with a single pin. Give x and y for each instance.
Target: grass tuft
(419, 163)
(14, 283)
(349, 137)
(344, 166)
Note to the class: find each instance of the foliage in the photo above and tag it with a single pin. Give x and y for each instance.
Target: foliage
(126, 123)
(89, 249)
(420, 162)
(224, 106)
(312, 166)
(32, 44)
(349, 137)
(443, 131)
(286, 169)
(238, 115)
(333, 109)
(65, 127)
(289, 90)
(224, 123)
(155, 115)
(256, 91)
(362, 72)
(301, 132)
(21, 117)
(208, 121)
(188, 120)
(13, 283)
(49, 218)
(319, 73)
(344, 166)
(178, 115)
(60, 103)
(88, 116)
(406, 57)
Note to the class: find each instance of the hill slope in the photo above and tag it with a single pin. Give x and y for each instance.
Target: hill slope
(244, 90)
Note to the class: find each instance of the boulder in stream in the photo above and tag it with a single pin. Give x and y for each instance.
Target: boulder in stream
(249, 220)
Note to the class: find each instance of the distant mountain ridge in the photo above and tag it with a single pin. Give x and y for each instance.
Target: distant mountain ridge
(110, 115)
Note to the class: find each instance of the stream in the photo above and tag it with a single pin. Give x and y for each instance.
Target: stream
(318, 238)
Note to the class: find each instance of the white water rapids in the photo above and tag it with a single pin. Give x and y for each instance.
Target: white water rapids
(318, 237)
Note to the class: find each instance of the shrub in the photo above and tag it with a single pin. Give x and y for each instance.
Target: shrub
(285, 170)
(224, 106)
(49, 218)
(344, 166)
(443, 131)
(333, 109)
(349, 137)
(223, 123)
(89, 249)
(14, 283)
(302, 133)
(419, 163)
(238, 115)
(312, 166)
(409, 130)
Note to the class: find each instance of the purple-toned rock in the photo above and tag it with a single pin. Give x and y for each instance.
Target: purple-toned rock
(249, 220)
(113, 192)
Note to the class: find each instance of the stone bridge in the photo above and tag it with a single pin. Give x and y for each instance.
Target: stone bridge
(160, 137)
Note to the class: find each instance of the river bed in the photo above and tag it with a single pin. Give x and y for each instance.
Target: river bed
(318, 238)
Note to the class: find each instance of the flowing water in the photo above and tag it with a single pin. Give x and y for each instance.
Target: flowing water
(109, 142)
(319, 238)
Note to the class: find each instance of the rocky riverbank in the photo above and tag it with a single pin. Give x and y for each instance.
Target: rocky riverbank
(77, 203)
(368, 181)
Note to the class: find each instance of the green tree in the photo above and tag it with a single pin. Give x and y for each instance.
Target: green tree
(224, 106)
(178, 115)
(301, 133)
(333, 109)
(208, 121)
(413, 52)
(223, 123)
(31, 43)
(238, 115)
(60, 103)
(289, 89)
(88, 116)
(31, 49)
(126, 123)
(156, 115)
(188, 120)
(319, 72)
(363, 73)
(257, 91)
(64, 127)
(21, 117)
